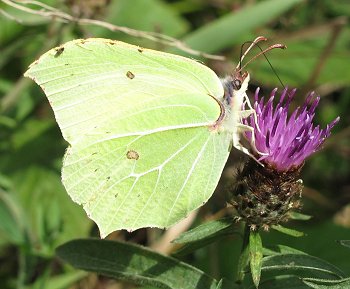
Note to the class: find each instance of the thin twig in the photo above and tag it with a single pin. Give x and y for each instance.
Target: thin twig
(11, 98)
(9, 16)
(164, 244)
(57, 15)
(327, 51)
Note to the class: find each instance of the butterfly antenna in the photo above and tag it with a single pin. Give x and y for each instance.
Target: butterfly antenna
(252, 44)
(278, 45)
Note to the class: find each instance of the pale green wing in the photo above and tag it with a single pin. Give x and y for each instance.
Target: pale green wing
(142, 152)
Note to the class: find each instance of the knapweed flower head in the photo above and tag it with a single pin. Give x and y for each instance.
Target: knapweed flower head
(266, 193)
(286, 141)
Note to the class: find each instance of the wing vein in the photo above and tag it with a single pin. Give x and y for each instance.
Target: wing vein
(137, 177)
(188, 177)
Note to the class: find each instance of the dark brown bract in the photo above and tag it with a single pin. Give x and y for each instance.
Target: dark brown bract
(264, 196)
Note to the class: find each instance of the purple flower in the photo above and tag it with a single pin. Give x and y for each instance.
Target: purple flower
(287, 141)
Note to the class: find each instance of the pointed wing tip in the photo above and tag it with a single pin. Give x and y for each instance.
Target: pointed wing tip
(28, 72)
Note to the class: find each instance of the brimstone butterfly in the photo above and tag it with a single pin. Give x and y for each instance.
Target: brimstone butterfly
(149, 132)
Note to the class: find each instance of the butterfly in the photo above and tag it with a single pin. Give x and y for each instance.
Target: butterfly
(149, 132)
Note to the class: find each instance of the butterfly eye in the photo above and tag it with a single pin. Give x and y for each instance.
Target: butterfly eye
(237, 84)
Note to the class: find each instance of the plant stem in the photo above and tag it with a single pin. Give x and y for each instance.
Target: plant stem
(21, 275)
(244, 256)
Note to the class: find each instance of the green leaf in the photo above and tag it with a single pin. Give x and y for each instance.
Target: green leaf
(219, 286)
(301, 264)
(244, 257)
(299, 216)
(287, 231)
(7, 53)
(345, 243)
(280, 249)
(31, 131)
(233, 28)
(296, 65)
(205, 230)
(327, 284)
(144, 15)
(11, 225)
(205, 234)
(62, 281)
(135, 264)
(283, 282)
(49, 216)
(256, 256)
(320, 241)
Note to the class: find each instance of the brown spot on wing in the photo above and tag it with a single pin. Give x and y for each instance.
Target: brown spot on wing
(59, 50)
(130, 75)
(132, 155)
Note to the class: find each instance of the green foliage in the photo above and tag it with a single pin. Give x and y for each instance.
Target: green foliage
(287, 231)
(134, 264)
(345, 243)
(327, 284)
(296, 269)
(299, 216)
(159, 16)
(233, 26)
(10, 227)
(304, 58)
(305, 265)
(205, 234)
(321, 240)
(36, 215)
(280, 249)
(256, 256)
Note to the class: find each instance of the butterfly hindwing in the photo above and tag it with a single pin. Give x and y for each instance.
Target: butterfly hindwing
(133, 182)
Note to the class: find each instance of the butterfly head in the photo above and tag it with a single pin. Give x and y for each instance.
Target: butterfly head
(235, 86)
(240, 81)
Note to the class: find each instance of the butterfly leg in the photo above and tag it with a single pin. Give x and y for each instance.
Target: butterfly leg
(243, 127)
(251, 110)
(236, 143)
(246, 113)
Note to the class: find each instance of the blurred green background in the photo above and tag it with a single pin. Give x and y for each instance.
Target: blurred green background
(36, 214)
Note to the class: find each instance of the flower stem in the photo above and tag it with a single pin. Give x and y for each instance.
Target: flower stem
(243, 260)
